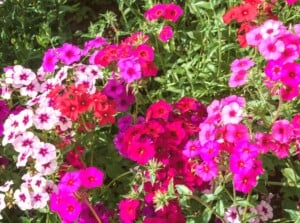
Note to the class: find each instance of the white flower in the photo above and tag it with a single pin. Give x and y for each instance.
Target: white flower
(46, 168)
(39, 199)
(45, 118)
(23, 199)
(2, 202)
(26, 142)
(6, 186)
(64, 123)
(232, 215)
(22, 76)
(44, 152)
(31, 90)
(24, 119)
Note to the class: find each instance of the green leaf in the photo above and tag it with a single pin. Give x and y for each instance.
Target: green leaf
(183, 190)
(206, 215)
(220, 207)
(204, 4)
(295, 215)
(290, 175)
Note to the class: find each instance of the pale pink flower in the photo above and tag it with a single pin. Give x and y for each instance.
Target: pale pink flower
(25, 119)
(23, 158)
(265, 211)
(64, 123)
(232, 215)
(271, 28)
(61, 74)
(46, 168)
(22, 76)
(48, 85)
(206, 133)
(50, 187)
(26, 142)
(271, 49)
(5, 91)
(2, 203)
(254, 37)
(232, 113)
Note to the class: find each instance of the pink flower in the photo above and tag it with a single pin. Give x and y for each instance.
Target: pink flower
(271, 49)
(69, 208)
(254, 37)
(236, 132)
(128, 210)
(291, 76)
(274, 69)
(232, 215)
(155, 12)
(244, 182)
(91, 177)
(172, 12)
(289, 92)
(207, 171)
(291, 2)
(144, 52)
(241, 163)
(241, 64)
(271, 28)
(238, 78)
(130, 69)
(209, 151)
(165, 34)
(282, 131)
(69, 53)
(70, 182)
(191, 148)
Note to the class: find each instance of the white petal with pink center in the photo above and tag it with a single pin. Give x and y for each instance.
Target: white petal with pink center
(6, 186)
(45, 118)
(46, 168)
(23, 199)
(2, 202)
(25, 119)
(64, 123)
(44, 152)
(232, 113)
(39, 199)
(31, 90)
(26, 142)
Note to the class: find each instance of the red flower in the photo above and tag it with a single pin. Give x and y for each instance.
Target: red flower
(246, 12)
(230, 15)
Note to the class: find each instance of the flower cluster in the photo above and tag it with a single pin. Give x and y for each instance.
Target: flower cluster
(69, 199)
(162, 136)
(169, 12)
(239, 68)
(280, 47)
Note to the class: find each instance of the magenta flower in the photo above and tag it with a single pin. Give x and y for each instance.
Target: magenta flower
(282, 131)
(141, 152)
(191, 148)
(144, 52)
(209, 151)
(207, 170)
(291, 76)
(289, 92)
(69, 208)
(70, 181)
(244, 182)
(165, 34)
(274, 69)
(69, 53)
(172, 12)
(241, 163)
(128, 210)
(91, 177)
(155, 12)
(49, 60)
(130, 69)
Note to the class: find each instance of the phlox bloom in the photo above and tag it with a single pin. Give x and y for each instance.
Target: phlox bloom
(244, 182)
(271, 49)
(70, 182)
(69, 209)
(91, 177)
(282, 131)
(244, 63)
(232, 113)
(128, 210)
(141, 152)
(129, 69)
(207, 170)
(69, 53)
(238, 78)
(165, 34)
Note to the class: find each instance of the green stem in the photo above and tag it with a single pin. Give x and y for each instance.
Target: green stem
(277, 111)
(206, 206)
(115, 179)
(273, 183)
(246, 208)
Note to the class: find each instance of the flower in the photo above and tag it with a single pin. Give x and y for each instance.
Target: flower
(238, 78)
(69, 53)
(232, 215)
(91, 177)
(265, 211)
(165, 34)
(128, 210)
(129, 69)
